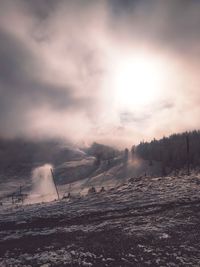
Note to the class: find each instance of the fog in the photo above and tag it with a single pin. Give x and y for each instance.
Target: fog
(68, 69)
(43, 188)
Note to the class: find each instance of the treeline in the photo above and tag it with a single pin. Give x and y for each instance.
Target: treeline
(174, 151)
(102, 153)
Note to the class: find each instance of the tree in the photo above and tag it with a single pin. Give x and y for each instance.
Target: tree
(132, 152)
(126, 155)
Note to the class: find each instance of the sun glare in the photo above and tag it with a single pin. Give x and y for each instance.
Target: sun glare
(137, 81)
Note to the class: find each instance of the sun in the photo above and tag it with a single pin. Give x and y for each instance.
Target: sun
(137, 81)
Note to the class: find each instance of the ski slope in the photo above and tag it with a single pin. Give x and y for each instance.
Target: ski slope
(147, 221)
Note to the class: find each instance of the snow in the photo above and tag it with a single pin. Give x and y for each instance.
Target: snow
(151, 221)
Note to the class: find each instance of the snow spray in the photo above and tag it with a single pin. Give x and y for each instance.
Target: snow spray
(43, 188)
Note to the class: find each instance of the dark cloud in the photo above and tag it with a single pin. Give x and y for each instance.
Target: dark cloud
(41, 8)
(174, 23)
(57, 57)
(21, 91)
(16, 61)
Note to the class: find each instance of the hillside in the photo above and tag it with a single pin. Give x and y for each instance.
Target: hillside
(145, 222)
(19, 158)
(74, 168)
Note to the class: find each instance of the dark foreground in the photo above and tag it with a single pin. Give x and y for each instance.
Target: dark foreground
(146, 222)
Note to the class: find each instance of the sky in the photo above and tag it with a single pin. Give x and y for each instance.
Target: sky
(110, 71)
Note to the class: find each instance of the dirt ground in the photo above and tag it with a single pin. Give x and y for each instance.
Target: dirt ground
(145, 222)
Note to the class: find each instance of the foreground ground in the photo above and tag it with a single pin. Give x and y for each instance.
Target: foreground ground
(145, 222)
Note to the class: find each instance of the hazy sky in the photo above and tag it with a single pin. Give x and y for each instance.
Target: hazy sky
(116, 71)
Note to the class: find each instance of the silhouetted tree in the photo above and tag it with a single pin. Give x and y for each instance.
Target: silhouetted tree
(126, 155)
(174, 152)
(97, 161)
(133, 152)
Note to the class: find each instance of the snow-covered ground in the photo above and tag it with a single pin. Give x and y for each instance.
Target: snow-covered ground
(113, 176)
(147, 221)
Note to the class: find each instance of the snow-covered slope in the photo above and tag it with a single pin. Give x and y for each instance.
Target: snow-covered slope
(115, 175)
(147, 221)
(82, 172)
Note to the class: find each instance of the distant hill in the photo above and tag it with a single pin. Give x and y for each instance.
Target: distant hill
(18, 157)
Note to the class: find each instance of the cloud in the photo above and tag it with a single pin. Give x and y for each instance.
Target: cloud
(57, 61)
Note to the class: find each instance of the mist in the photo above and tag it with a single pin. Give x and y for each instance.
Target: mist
(43, 188)
(61, 60)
